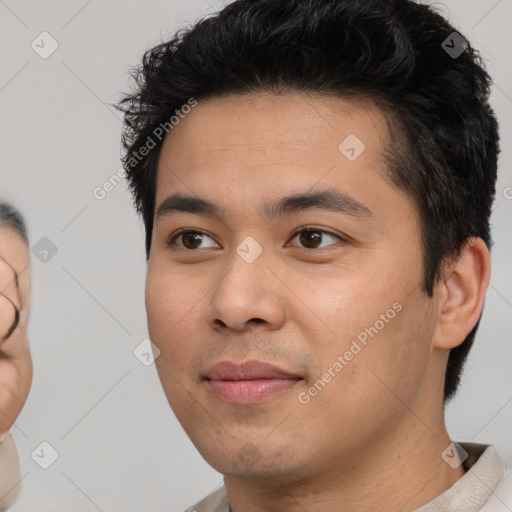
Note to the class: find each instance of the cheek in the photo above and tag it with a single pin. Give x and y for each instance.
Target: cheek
(368, 292)
(173, 315)
(166, 298)
(159, 313)
(377, 326)
(351, 303)
(388, 360)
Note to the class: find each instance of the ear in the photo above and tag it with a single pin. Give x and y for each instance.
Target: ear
(460, 294)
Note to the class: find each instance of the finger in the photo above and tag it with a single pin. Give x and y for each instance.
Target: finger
(15, 382)
(14, 348)
(14, 323)
(9, 283)
(9, 318)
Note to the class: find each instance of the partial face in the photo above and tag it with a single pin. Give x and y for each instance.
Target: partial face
(326, 289)
(14, 258)
(15, 359)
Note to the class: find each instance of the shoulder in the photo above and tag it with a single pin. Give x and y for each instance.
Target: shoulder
(501, 498)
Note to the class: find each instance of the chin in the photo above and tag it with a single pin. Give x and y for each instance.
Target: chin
(243, 459)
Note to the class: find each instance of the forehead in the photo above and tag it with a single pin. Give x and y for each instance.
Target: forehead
(254, 144)
(262, 123)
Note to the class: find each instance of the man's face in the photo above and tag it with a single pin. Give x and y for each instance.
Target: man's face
(338, 306)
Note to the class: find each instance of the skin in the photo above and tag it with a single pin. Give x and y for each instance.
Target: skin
(15, 358)
(372, 438)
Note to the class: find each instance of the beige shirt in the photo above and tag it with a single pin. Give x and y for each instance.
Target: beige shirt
(486, 487)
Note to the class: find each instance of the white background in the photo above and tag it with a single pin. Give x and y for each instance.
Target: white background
(119, 445)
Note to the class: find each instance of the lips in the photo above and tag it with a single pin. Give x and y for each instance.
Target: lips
(250, 370)
(248, 383)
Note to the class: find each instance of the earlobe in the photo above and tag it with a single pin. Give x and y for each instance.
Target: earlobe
(461, 294)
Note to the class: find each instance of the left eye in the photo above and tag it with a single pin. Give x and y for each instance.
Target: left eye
(311, 238)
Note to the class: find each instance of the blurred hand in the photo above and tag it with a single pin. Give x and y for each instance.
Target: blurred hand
(15, 359)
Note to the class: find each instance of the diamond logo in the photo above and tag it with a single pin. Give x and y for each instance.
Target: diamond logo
(44, 45)
(44, 250)
(454, 455)
(249, 250)
(44, 455)
(455, 45)
(352, 147)
(249, 454)
(146, 352)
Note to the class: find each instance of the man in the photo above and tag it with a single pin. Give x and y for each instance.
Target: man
(15, 359)
(316, 180)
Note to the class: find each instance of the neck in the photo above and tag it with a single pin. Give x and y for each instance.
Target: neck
(400, 473)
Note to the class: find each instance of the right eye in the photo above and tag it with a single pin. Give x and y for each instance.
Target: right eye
(191, 239)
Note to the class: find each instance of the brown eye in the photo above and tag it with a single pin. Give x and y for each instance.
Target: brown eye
(312, 238)
(191, 240)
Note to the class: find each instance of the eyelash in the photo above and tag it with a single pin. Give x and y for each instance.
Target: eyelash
(174, 236)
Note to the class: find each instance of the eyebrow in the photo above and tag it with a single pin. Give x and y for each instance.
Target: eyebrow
(325, 200)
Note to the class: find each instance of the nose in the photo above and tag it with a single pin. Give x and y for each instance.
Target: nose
(247, 294)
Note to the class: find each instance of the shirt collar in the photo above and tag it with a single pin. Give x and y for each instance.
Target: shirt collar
(484, 469)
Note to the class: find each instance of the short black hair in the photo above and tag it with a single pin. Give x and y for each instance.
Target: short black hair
(12, 218)
(443, 135)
